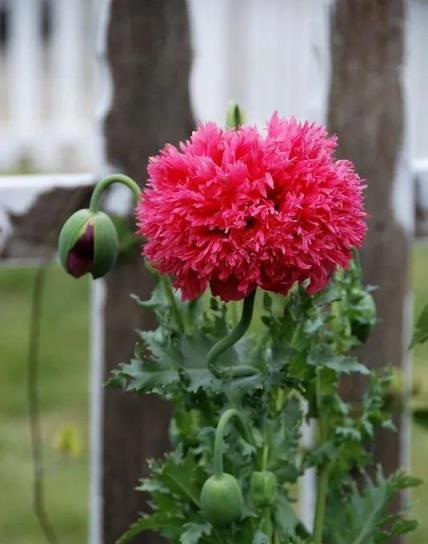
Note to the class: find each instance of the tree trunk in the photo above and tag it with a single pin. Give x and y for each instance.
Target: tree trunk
(148, 52)
(367, 112)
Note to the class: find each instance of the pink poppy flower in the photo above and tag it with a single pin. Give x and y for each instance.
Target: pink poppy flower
(237, 209)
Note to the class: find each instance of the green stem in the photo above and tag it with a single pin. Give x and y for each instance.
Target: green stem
(323, 472)
(166, 284)
(322, 488)
(267, 522)
(267, 511)
(265, 457)
(233, 307)
(219, 437)
(103, 184)
(280, 399)
(241, 328)
(241, 371)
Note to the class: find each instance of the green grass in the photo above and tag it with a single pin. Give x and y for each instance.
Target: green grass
(64, 384)
(63, 390)
(420, 379)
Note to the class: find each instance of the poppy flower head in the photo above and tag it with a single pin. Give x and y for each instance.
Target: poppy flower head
(237, 209)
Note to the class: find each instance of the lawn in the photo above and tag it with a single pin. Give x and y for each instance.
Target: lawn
(64, 385)
(420, 378)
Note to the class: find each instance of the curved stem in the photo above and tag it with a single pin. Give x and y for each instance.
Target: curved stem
(241, 328)
(219, 437)
(103, 184)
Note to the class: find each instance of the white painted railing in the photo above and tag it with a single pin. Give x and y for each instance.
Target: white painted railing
(417, 46)
(47, 102)
(268, 54)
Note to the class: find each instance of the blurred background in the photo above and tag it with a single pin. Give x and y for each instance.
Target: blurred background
(54, 91)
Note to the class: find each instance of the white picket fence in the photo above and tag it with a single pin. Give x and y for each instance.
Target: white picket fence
(268, 54)
(47, 85)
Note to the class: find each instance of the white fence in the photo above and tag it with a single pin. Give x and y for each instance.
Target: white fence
(47, 84)
(268, 54)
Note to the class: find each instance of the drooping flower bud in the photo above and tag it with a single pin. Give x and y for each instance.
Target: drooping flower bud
(88, 243)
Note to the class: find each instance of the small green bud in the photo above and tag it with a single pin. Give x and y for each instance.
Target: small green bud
(88, 243)
(221, 499)
(263, 488)
(235, 115)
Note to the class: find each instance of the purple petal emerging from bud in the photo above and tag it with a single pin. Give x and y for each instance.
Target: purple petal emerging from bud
(81, 256)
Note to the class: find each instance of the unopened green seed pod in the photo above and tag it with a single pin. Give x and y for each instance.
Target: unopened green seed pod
(88, 243)
(263, 488)
(221, 499)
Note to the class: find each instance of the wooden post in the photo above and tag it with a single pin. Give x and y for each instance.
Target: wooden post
(148, 53)
(367, 111)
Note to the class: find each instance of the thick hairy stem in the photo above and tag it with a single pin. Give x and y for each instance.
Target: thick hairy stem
(103, 184)
(241, 328)
(219, 437)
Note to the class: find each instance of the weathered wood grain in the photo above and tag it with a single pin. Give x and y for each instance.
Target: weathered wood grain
(367, 111)
(148, 52)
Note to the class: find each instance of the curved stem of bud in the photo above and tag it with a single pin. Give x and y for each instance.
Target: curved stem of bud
(219, 437)
(241, 328)
(103, 184)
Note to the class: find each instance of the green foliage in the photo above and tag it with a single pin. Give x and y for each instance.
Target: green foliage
(282, 374)
(420, 415)
(362, 517)
(64, 399)
(420, 334)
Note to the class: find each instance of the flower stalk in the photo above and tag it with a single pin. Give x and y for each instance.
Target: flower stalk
(323, 472)
(88, 241)
(103, 184)
(238, 332)
(219, 437)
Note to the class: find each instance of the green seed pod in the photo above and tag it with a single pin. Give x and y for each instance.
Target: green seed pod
(88, 243)
(221, 499)
(263, 488)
